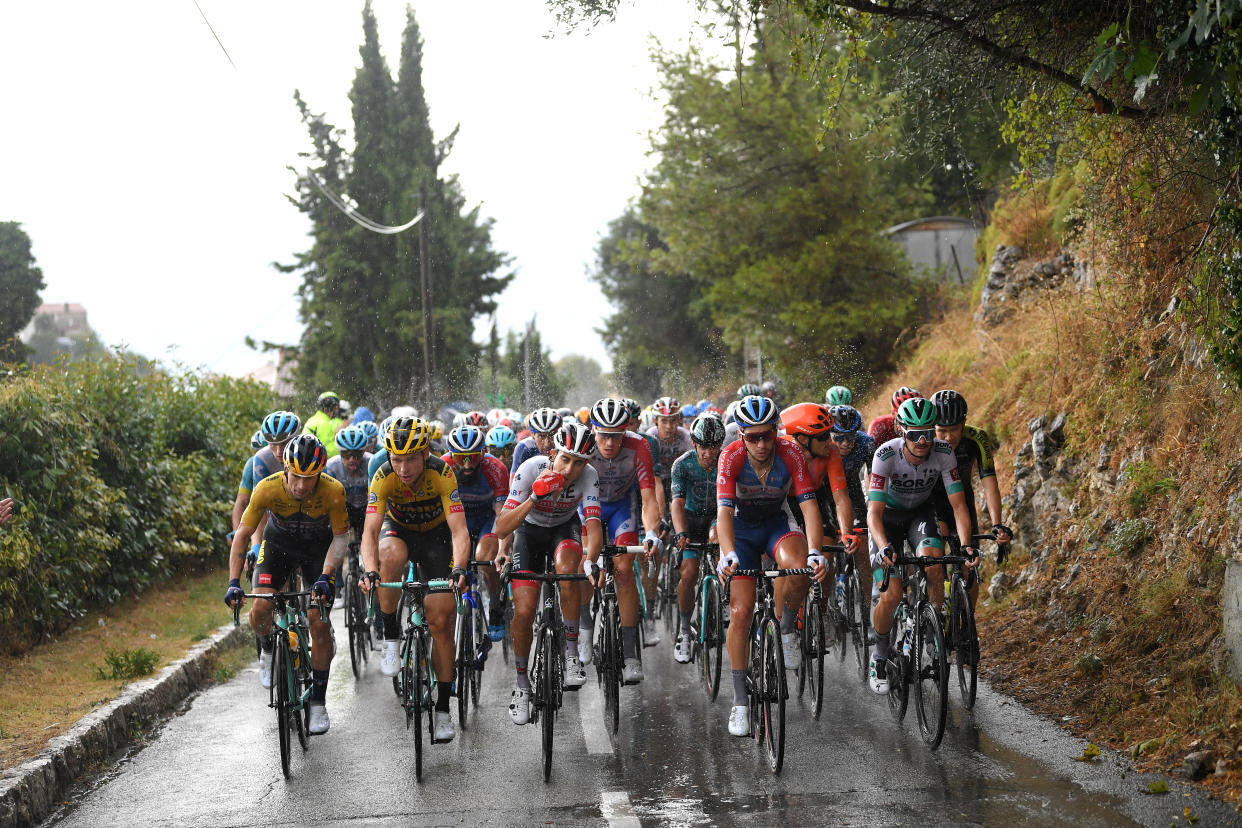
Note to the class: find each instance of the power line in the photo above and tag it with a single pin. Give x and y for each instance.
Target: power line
(357, 217)
(213, 34)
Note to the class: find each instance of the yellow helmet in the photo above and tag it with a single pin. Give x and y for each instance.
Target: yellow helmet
(437, 430)
(407, 435)
(305, 456)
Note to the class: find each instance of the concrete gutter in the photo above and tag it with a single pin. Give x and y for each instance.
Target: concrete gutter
(30, 792)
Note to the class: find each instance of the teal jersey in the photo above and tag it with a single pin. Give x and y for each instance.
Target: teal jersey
(378, 459)
(693, 483)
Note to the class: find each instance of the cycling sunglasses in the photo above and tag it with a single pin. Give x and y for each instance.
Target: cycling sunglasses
(920, 435)
(467, 455)
(351, 455)
(764, 437)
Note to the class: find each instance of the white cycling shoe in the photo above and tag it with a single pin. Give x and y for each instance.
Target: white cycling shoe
(265, 668)
(585, 635)
(390, 665)
(878, 677)
(319, 723)
(519, 706)
(793, 650)
(739, 720)
(444, 730)
(682, 651)
(632, 672)
(651, 634)
(575, 673)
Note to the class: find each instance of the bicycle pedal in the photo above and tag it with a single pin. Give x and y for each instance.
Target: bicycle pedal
(569, 689)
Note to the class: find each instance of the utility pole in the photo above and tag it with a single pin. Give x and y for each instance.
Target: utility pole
(426, 291)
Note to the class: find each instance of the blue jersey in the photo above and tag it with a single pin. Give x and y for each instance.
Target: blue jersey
(739, 486)
(523, 451)
(355, 487)
(262, 465)
(378, 459)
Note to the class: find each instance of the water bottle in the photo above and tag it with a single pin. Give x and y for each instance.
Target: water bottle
(293, 647)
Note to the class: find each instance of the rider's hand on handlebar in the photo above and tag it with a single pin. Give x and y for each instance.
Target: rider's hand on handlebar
(818, 563)
(972, 556)
(680, 540)
(727, 565)
(324, 589)
(1003, 534)
(234, 595)
(653, 544)
(593, 572)
(460, 577)
(369, 581)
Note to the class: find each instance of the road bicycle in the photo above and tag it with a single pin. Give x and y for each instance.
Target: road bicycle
(290, 691)
(961, 637)
(819, 616)
(354, 608)
(472, 643)
(608, 651)
(707, 619)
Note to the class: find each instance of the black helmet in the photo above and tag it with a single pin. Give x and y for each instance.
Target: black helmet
(950, 407)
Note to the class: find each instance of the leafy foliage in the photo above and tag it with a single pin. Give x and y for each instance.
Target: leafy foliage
(121, 473)
(361, 294)
(20, 281)
(128, 664)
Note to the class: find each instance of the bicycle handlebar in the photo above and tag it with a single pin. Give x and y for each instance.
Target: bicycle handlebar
(273, 597)
(923, 562)
(774, 573)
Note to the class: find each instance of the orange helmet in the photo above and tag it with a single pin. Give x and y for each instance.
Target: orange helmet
(584, 415)
(806, 418)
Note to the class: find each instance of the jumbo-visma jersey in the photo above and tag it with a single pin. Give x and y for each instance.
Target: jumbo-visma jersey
(322, 513)
(422, 506)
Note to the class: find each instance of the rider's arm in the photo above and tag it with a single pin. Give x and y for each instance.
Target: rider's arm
(519, 504)
(239, 508)
(237, 552)
(461, 539)
(594, 539)
(377, 506)
(875, 523)
(724, 529)
(962, 516)
(678, 511)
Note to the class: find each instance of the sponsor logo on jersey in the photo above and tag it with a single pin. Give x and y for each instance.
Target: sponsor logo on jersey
(265, 579)
(877, 481)
(455, 496)
(886, 453)
(954, 475)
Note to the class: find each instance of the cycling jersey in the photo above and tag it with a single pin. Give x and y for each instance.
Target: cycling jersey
(325, 428)
(693, 483)
(630, 467)
(666, 453)
(260, 466)
(739, 487)
(901, 484)
(310, 521)
(577, 499)
(974, 450)
(883, 429)
(378, 459)
(355, 485)
(523, 451)
(421, 507)
(479, 494)
(855, 464)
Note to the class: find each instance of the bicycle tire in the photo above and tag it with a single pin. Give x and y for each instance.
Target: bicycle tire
(357, 653)
(772, 693)
(611, 662)
(804, 643)
(898, 675)
(965, 644)
(281, 678)
(480, 637)
(931, 676)
(860, 621)
(547, 648)
(301, 683)
(464, 664)
(414, 701)
(813, 657)
(713, 638)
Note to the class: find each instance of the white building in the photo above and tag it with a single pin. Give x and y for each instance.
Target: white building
(942, 247)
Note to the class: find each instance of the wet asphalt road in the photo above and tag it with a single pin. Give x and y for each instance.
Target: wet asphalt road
(673, 763)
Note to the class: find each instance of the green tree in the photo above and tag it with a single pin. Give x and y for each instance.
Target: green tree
(585, 380)
(361, 293)
(20, 283)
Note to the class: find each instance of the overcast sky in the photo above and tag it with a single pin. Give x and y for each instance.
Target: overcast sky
(150, 173)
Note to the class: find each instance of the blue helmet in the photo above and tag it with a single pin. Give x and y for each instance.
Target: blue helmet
(280, 426)
(351, 438)
(370, 429)
(845, 419)
(362, 414)
(689, 411)
(756, 410)
(256, 440)
(501, 437)
(465, 439)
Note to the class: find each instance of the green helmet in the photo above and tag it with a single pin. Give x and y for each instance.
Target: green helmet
(839, 395)
(749, 390)
(917, 413)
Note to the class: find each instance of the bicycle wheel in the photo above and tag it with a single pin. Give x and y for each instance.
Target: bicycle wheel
(612, 659)
(298, 689)
(411, 669)
(357, 643)
(931, 676)
(548, 682)
(464, 664)
(282, 677)
(480, 640)
(772, 694)
(712, 633)
(898, 674)
(965, 644)
(813, 654)
(858, 594)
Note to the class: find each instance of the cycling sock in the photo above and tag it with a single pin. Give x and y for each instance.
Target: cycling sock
(881, 647)
(266, 643)
(319, 686)
(494, 606)
(739, 688)
(444, 692)
(685, 623)
(584, 617)
(523, 680)
(392, 630)
(629, 641)
(789, 621)
(571, 640)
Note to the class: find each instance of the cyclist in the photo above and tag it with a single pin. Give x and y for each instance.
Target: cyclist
(900, 509)
(752, 519)
(810, 426)
(551, 501)
(884, 427)
(974, 450)
(769, 390)
(626, 480)
(380, 457)
(277, 429)
(326, 422)
(477, 419)
(371, 429)
(857, 449)
(500, 443)
(543, 424)
(694, 514)
(838, 395)
(483, 483)
(350, 468)
(307, 527)
(414, 513)
(730, 418)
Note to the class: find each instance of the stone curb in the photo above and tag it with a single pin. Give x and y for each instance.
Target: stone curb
(30, 792)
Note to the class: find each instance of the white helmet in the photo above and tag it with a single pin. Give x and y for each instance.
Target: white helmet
(494, 417)
(405, 411)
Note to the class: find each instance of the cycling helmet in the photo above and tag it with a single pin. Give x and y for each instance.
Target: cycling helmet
(257, 440)
(501, 437)
(689, 411)
(839, 395)
(437, 430)
(584, 415)
(845, 419)
(305, 456)
(494, 416)
(370, 429)
(632, 406)
(749, 390)
(328, 401)
(703, 404)
(902, 394)
(351, 438)
(646, 420)
(565, 413)
(477, 418)
(916, 412)
(806, 418)
(610, 413)
(384, 426)
(729, 413)
(575, 439)
(768, 388)
(363, 415)
(950, 407)
(465, 439)
(407, 435)
(404, 411)
(544, 421)
(280, 426)
(666, 407)
(756, 410)
(708, 431)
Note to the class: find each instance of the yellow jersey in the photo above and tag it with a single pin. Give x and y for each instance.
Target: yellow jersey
(321, 513)
(422, 506)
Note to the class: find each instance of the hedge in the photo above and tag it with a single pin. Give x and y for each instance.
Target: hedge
(122, 473)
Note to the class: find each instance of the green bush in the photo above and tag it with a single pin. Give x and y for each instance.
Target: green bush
(1146, 481)
(1130, 536)
(128, 664)
(121, 473)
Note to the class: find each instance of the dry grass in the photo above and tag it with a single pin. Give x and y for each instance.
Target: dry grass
(46, 690)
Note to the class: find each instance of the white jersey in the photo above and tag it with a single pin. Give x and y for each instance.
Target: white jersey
(579, 498)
